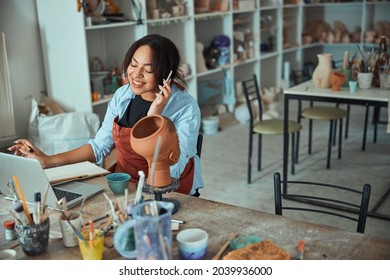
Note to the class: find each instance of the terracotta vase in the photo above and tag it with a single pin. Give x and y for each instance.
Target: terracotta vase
(144, 138)
(337, 79)
(323, 71)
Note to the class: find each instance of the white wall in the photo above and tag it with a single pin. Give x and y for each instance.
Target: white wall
(18, 20)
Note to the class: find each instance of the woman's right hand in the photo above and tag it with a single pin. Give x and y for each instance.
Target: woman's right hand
(24, 148)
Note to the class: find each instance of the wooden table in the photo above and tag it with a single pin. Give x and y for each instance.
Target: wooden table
(220, 220)
(307, 92)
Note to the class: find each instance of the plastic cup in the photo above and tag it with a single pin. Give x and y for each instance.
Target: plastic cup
(352, 86)
(91, 250)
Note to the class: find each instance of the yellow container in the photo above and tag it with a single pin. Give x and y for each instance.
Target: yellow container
(91, 250)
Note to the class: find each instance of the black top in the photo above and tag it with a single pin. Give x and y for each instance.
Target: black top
(136, 110)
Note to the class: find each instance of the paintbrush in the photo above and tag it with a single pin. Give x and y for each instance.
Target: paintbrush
(301, 249)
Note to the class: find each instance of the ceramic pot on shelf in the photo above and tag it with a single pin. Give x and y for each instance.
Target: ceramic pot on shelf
(337, 79)
(323, 71)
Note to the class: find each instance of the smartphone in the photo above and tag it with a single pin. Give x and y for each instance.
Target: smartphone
(169, 76)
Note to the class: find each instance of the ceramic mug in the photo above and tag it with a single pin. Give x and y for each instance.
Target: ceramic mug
(69, 237)
(192, 244)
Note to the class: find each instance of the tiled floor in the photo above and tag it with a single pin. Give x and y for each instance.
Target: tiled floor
(224, 163)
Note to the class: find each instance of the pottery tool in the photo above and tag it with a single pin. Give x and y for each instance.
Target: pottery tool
(19, 211)
(13, 214)
(141, 182)
(224, 246)
(126, 198)
(363, 59)
(37, 211)
(112, 208)
(91, 233)
(44, 200)
(11, 188)
(21, 196)
(178, 221)
(301, 249)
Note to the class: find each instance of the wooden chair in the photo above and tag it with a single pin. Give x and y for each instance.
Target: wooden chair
(260, 127)
(326, 202)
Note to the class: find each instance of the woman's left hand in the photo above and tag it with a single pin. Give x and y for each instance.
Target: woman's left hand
(161, 99)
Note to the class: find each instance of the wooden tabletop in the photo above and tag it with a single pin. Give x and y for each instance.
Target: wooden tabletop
(220, 221)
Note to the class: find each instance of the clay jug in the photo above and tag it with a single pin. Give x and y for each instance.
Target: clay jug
(144, 138)
(323, 71)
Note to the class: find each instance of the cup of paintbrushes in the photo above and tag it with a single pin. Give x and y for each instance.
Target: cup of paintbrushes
(69, 236)
(91, 246)
(34, 239)
(151, 228)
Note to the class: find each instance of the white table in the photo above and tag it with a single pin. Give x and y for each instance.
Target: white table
(307, 92)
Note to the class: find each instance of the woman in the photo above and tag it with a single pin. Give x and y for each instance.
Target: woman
(147, 62)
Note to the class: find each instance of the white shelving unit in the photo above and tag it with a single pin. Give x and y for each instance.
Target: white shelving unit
(271, 34)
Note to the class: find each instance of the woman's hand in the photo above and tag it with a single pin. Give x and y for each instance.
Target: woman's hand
(24, 148)
(161, 99)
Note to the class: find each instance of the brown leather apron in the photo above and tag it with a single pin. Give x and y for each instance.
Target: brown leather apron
(130, 162)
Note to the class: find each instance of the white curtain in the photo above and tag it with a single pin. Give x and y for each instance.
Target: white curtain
(7, 121)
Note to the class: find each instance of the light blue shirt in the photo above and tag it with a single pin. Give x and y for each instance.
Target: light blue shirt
(182, 109)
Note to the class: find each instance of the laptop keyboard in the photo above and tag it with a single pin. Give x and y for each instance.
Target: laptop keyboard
(69, 196)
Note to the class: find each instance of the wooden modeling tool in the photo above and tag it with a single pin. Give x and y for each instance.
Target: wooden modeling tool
(224, 246)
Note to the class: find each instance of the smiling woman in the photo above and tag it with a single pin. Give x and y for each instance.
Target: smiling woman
(7, 122)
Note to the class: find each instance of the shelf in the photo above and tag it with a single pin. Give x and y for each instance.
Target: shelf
(111, 25)
(103, 100)
(285, 23)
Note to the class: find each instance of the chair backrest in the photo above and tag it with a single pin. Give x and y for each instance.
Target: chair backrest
(253, 98)
(324, 198)
(199, 144)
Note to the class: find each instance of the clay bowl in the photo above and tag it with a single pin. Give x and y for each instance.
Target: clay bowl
(118, 182)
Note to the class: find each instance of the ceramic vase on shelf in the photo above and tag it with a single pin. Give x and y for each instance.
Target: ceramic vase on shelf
(323, 71)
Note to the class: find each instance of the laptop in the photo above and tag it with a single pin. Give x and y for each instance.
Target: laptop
(32, 178)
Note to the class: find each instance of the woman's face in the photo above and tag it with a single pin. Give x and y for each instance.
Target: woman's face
(140, 73)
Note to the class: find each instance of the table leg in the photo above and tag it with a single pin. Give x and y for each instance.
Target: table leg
(285, 144)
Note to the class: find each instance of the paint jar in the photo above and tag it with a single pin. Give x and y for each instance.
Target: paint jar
(10, 233)
(91, 250)
(34, 239)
